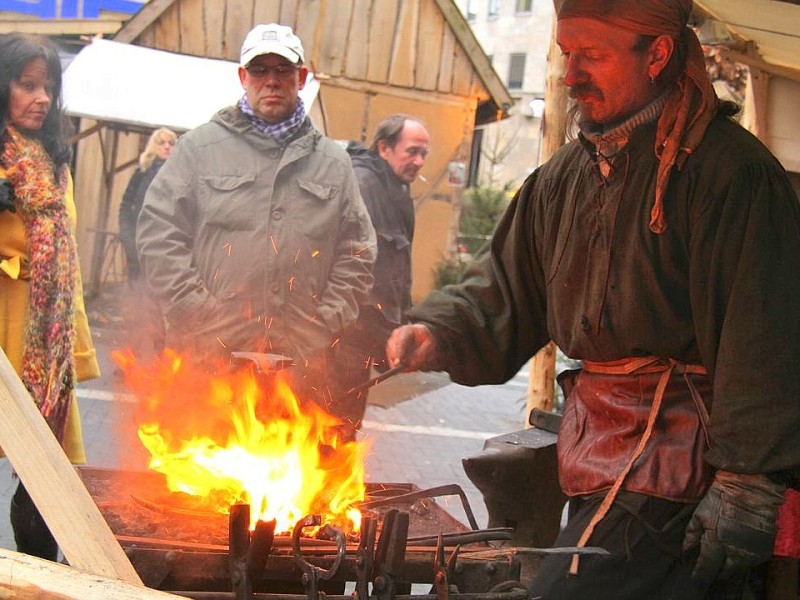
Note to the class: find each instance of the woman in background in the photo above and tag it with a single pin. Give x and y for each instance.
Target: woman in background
(44, 331)
(158, 149)
(140, 310)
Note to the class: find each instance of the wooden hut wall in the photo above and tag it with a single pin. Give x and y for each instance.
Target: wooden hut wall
(404, 43)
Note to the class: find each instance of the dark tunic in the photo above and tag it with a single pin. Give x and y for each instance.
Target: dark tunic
(573, 260)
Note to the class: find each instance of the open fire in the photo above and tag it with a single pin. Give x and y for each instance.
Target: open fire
(239, 435)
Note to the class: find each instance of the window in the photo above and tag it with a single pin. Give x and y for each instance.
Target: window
(471, 14)
(516, 71)
(524, 6)
(494, 8)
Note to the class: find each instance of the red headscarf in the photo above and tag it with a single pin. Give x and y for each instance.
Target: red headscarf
(690, 107)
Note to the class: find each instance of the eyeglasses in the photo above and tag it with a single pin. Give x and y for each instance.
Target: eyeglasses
(263, 71)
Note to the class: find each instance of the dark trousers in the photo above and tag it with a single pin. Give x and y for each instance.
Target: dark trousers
(645, 536)
(30, 531)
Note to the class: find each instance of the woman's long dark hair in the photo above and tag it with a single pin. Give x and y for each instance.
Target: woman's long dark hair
(16, 50)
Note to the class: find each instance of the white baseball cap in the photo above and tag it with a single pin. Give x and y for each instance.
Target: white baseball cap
(272, 39)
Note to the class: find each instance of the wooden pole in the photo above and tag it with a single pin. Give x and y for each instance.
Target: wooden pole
(541, 382)
(55, 487)
(101, 222)
(25, 577)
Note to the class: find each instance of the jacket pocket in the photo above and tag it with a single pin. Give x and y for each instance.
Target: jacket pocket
(228, 200)
(317, 219)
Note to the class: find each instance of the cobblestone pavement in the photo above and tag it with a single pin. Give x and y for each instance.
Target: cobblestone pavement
(418, 425)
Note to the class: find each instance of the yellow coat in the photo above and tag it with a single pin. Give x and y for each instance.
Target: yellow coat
(14, 288)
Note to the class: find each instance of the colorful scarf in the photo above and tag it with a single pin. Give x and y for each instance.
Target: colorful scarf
(48, 368)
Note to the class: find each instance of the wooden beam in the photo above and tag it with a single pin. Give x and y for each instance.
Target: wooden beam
(759, 63)
(61, 26)
(148, 14)
(96, 128)
(757, 96)
(25, 577)
(377, 89)
(55, 487)
(556, 102)
(541, 381)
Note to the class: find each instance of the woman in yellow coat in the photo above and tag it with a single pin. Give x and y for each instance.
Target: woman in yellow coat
(43, 327)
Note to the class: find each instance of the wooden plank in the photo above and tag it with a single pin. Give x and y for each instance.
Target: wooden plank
(462, 72)
(192, 28)
(25, 577)
(308, 17)
(290, 10)
(238, 21)
(167, 29)
(266, 11)
(357, 56)
(445, 83)
(66, 506)
(214, 29)
(143, 19)
(334, 33)
(381, 37)
(147, 38)
(429, 46)
(404, 51)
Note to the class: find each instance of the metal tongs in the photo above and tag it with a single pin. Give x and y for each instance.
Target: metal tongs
(398, 368)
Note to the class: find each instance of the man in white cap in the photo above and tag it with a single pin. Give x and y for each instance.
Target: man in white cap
(661, 248)
(254, 235)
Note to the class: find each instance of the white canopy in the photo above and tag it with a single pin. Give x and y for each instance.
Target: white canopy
(134, 85)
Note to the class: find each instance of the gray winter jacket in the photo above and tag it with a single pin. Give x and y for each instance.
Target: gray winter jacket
(252, 246)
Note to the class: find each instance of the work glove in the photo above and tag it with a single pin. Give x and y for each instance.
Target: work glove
(415, 347)
(7, 196)
(734, 524)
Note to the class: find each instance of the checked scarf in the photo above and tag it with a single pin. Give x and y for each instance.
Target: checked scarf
(48, 368)
(280, 132)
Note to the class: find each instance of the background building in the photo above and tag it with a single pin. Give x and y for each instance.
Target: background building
(515, 34)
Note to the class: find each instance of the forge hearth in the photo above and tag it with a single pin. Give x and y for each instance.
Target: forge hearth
(180, 548)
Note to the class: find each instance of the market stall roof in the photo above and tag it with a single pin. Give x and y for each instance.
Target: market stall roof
(147, 88)
(773, 25)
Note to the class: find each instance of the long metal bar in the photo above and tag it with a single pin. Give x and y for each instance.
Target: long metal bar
(452, 489)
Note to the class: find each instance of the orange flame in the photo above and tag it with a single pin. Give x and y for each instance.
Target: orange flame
(242, 437)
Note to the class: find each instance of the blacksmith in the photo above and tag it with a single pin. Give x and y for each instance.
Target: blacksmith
(661, 247)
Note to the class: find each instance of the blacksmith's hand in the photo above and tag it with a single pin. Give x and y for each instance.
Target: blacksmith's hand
(7, 196)
(415, 346)
(735, 525)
